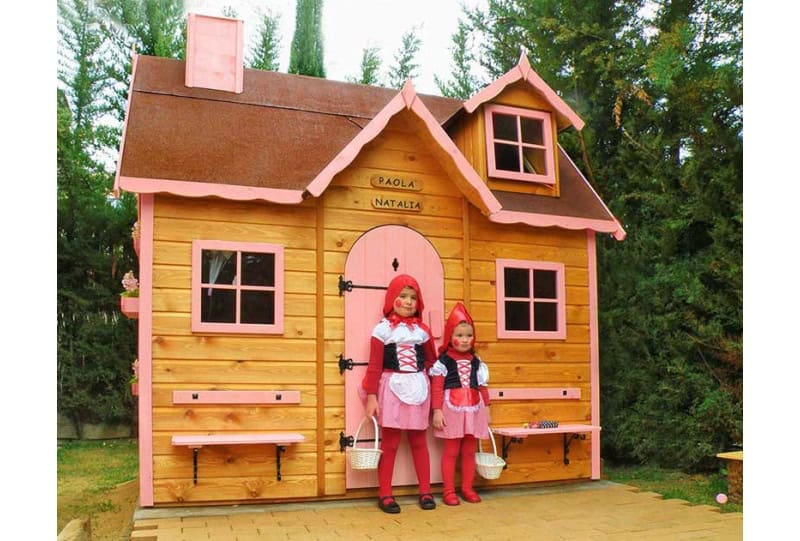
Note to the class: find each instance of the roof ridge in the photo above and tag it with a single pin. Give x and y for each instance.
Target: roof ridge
(255, 104)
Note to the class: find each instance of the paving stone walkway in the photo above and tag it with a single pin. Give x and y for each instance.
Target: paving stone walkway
(599, 510)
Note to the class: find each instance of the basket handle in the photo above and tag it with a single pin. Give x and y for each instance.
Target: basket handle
(375, 424)
(494, 445)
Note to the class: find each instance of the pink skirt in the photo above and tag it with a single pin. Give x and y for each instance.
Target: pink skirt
(460, 420)
(394, 413)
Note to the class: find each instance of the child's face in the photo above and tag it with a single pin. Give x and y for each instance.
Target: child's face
(462, 337)
(405, 305)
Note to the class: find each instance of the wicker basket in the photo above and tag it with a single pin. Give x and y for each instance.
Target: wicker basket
(365, 459)
(489, 465)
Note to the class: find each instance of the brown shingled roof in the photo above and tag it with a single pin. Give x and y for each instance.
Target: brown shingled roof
(192, 134)
(577, 197)
(282, 131)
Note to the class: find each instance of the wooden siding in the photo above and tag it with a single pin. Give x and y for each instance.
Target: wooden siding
(215, 361)
(317, 236)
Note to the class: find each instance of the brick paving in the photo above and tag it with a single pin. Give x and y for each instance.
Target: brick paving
(599, 510)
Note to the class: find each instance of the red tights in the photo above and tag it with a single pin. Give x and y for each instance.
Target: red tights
(390, 441)
(450, 455)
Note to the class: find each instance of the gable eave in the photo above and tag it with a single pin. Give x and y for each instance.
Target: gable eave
(467, 178)
(524, 72)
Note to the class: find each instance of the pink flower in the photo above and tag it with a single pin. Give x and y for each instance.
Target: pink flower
(129, 282)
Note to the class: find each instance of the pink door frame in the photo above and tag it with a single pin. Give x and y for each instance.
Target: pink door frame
(370, 263)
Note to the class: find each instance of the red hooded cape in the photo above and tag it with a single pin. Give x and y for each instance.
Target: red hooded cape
(458, 315)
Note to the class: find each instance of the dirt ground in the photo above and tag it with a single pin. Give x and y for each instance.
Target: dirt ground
(115, 521)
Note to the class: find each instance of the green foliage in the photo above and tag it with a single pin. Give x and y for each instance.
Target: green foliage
(96, 344)
(406, 66)
(662, 100)
(370, 66)
(464, 83)
(306, 56)
(697, 489)
(151, 27)
(267, 48)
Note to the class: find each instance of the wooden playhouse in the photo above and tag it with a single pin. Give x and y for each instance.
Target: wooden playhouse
(273, 208)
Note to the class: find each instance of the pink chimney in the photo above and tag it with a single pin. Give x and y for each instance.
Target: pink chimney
(214, 53)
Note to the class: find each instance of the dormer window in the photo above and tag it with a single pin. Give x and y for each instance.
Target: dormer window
(520, 144)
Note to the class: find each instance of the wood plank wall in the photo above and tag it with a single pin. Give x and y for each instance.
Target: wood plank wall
(317, 236)
(183, 360)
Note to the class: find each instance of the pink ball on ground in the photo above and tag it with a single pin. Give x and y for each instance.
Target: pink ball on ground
(722, 499)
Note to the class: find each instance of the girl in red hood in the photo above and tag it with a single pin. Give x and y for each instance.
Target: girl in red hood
(460, 397)
(397, 387)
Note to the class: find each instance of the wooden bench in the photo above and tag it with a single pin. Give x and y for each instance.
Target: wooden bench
(734, 464)
(197, 441)
(570, 432)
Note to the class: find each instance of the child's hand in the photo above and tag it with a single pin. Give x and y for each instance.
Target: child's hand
(438, 419)
(372, 405)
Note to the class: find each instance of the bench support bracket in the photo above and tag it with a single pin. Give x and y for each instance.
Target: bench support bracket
(194, 464)
(567, 441)
(278, 450)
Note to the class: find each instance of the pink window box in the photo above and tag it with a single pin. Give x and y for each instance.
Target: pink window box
(129, 306)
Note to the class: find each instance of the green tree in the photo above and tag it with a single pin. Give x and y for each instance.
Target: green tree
(464, 83)
(406, 66)
(661, 95)
(267, 47)
(370, 66)
(95, 344)
(306, 56)
(151, 27)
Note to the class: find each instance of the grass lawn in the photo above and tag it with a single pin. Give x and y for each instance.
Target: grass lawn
(697, 489)
(96, 480)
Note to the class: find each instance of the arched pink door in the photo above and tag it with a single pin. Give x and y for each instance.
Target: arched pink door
(376, 257)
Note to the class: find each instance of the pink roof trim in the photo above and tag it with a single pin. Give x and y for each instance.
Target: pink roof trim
(524, 71)
(554, 220)
(134, 62)
(407, 98)
(203, 189)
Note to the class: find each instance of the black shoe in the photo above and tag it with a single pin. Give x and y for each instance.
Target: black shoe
(426, 501)
(388, 505)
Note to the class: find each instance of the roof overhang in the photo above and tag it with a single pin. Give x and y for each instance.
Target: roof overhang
(523, 72)
(443, 149)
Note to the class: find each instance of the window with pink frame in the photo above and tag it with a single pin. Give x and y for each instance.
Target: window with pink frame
(237, 287)
(519, 144)
(531, 299)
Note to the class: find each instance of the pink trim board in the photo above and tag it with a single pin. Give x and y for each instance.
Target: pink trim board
(204, 189)
(146, 220)
(235, 397)
(554, 220)
(516, 432)
(539, 393)
(134, 62)
(199, 440)
(523, 71)
(594, 347)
